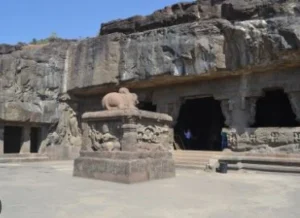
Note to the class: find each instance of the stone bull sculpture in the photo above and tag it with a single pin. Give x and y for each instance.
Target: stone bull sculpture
(120, 100)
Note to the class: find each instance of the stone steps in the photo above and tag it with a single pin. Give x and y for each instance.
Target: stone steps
(283, 163)
(21, 155)
(193, 159)
(190, 166)
(18, 158)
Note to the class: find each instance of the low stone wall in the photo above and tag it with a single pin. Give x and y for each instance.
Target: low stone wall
(265, 140)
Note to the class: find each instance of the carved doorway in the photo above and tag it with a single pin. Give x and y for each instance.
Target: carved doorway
(12, 139)
(204, 118)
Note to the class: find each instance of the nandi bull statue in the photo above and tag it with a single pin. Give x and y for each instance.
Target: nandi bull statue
(120, 100)
(124, 144)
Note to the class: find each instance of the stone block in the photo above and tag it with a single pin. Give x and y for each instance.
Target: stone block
(124, 167)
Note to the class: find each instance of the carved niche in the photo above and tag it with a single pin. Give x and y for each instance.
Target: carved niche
(274, 137)
(253, 138)
(232, 140)
(104, 140)
(153, 137)
(297, 137)
(151, 133)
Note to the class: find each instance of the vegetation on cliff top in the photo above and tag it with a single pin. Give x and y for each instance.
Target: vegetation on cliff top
(53, 36)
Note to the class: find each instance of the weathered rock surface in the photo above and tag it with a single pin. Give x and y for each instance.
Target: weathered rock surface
(94, 62)
(64, 138)
(207, 37)
(233, 10)
(183, 42)
(204, 38)
(32, 80)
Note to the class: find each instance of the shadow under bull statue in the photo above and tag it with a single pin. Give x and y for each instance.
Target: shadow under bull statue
(124, 144)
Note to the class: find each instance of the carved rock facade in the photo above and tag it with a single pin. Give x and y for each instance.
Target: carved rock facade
(265, 140)
(230, 50)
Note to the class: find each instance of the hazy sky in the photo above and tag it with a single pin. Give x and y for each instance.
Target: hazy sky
(23, 20)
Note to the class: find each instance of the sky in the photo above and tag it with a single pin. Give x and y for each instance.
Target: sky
(23, 20)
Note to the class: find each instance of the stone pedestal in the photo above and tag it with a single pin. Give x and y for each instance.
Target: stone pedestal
(124, 167)
(126, 146)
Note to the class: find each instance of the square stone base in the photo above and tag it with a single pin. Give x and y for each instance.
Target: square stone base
(125, 167)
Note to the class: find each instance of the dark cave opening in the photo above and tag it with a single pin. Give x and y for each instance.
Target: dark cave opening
(274, 110)
(204, 118)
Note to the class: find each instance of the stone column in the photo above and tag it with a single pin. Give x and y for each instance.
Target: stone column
(129, 138)
(295, 103)
(171, 108)
(25, 146)
(239, 112)
(1, 139)
(44, 140)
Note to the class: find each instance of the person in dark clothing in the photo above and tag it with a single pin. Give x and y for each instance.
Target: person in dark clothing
(224, 142)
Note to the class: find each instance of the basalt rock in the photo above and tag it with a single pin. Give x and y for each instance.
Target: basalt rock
(184, 42)
(32, 80)
(204, 38)
(233, 10)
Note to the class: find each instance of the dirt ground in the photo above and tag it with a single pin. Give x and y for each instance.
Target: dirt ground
(48, 190)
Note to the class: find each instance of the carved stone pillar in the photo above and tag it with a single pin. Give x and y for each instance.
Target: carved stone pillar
(226, 107)
(25, 146)
(239, 112)
(295, 103)
(130, 138)
(1, 138)
(251, 109)
(171, 108)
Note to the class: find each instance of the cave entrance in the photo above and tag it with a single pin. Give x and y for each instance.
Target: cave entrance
(34, 139)
(204, 118)
(274, 110)
(12, 139)
(147, 106)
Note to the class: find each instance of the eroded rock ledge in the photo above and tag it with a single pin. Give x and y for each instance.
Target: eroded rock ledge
(233, 10)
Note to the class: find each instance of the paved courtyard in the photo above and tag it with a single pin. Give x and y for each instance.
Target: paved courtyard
(48, 190)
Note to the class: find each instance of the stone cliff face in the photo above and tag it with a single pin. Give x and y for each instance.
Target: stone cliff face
(31, 81)
(190, 40)
(32, 84)
(183, 42)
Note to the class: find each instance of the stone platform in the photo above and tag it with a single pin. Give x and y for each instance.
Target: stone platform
(125, 167)
(124, 144)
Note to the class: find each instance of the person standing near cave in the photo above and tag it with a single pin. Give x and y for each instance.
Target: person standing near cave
(224, 141)
(188, 137)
